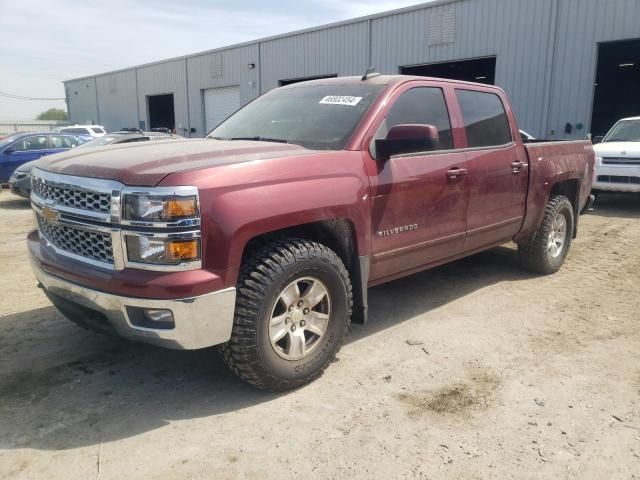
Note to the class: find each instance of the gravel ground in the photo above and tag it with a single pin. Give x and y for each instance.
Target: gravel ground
(473, 370)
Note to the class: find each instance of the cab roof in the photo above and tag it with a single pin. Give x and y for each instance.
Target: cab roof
(377, 79)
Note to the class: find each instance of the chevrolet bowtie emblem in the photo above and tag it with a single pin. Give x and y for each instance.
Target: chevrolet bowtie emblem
(50, 215)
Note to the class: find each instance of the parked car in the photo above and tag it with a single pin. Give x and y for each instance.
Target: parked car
(86, 131)
(263, 237)
(20, 181)
(21, 148)
(618, 158)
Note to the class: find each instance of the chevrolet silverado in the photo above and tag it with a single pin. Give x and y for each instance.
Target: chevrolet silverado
(263, 237)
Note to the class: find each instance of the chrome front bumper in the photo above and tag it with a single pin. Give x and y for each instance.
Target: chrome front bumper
(200, 322)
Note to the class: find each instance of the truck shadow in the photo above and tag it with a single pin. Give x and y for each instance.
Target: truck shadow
(62, 387)
(14, 203)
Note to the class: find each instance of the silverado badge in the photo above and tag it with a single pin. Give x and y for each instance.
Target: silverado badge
(50, 215)
(397, 230)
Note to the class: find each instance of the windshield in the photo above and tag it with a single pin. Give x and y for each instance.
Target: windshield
(105, 140)
(7, 140)
(321, 117)
(624, 131)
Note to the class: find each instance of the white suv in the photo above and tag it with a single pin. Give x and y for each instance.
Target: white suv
(618, 158)
(93, 131)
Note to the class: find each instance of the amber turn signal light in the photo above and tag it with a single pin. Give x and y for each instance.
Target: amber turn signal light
(183, 250)
(180, 207)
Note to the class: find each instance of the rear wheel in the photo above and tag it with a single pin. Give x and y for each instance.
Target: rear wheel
(545, 251)
(293, 311)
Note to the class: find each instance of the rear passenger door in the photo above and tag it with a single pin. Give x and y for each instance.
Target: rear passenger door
(61, 143)
(498, 170)
(418, 203)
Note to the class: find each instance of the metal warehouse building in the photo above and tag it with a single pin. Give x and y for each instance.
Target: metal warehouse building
(571, 67)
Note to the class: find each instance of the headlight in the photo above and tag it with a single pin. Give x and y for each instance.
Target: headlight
(162, 251)
(159, 208)
(15, 176)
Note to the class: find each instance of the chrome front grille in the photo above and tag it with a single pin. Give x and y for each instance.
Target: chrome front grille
(81, 218)
(72, 197)
(84, 243)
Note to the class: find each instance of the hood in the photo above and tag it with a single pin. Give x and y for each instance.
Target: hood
(27, 167)
(618, 149)
(146, 164)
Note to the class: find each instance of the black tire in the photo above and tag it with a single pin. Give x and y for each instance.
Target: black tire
(264, 274)
(534, 252)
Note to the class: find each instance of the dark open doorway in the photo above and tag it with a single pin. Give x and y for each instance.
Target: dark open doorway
(161, 113)
(481, 70)
(617, 88)
(305, 79)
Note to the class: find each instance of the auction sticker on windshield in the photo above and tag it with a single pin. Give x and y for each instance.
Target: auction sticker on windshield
(341, 100)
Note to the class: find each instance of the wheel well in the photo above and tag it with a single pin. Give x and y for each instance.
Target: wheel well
(340, 236)
(570, 189)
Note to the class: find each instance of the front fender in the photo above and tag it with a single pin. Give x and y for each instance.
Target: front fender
(235, 217)
(244, 200)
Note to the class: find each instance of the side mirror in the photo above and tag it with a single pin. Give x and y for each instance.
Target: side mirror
(403, 139)
(597, 140)
(9, 151)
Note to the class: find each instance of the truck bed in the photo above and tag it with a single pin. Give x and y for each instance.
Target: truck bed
(549, 160)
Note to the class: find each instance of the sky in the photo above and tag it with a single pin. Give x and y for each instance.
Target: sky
(43, 42)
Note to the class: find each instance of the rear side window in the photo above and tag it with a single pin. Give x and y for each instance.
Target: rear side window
(97, 130)
(63, 141)
(422, 105)
(485, 119)
(76, 131)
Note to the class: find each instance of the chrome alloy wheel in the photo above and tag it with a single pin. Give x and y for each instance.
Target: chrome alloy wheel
(557, 235)
(300, 318)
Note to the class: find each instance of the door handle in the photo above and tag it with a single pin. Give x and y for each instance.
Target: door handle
(518, 166)
(456, 174)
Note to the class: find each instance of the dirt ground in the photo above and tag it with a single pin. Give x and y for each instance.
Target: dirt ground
(474, 370)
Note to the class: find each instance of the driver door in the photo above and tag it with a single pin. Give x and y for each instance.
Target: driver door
(419, 200)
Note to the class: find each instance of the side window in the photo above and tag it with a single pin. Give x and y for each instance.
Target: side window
(422, 105)
(75, 131)
(37, 142)
(485, 119)
(63, 141)
(135, 140)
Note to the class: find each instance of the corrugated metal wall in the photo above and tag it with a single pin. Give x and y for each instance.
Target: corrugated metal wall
(583, 24)
(162, 78)
(516, 31)
(117, 101)
(340, 50)
(221, 69)
(82, 102)
(545, 49)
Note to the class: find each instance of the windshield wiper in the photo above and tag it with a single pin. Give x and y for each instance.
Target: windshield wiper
(257, 139)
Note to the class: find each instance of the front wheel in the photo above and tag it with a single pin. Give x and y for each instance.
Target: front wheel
(293, 310)
(545, 251)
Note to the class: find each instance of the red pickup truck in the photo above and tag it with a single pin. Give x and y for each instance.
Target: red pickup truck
(264, 236)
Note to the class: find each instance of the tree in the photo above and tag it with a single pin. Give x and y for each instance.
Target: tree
(53, 114)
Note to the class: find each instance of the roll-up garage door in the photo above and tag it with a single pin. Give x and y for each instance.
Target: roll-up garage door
(219, 103)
